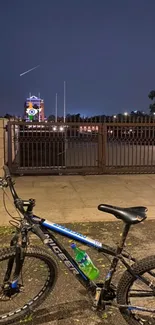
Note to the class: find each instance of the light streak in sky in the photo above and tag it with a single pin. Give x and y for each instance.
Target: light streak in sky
(22, 74)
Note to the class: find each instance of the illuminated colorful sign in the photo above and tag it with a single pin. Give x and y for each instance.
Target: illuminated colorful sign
(31, 111)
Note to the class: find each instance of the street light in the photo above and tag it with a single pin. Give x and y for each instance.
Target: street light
(114, 116)
(125, 113)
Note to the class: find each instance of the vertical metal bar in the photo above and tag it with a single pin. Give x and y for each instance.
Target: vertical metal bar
(136, 163)
(104, 146)
(64, 101)
(9, 146)
(117, 143)
(23, 147)
(125, 143)
(108, 148)
(28, 154)
(33, 148)
(148, 146)
(128, 147)
(121, 138)
(56, 108)
(152, 146)
(4, 142)
(140, 149)
(112, 147)
(132, 144)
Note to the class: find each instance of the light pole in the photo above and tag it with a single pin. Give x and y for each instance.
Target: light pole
(64, 101)
(56, 108)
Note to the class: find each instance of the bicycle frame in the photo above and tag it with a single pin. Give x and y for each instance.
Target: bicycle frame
(44, 230)
(48, 228)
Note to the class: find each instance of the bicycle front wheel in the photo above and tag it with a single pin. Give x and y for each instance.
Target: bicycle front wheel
(37, 279)
(137, 294)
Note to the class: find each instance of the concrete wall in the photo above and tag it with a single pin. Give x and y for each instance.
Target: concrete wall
(1, 145)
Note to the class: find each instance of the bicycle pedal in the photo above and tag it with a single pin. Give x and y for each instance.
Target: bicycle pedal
(97, 298)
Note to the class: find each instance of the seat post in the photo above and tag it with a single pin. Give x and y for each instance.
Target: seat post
(123, 238)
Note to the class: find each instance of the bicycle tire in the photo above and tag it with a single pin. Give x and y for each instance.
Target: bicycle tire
(44, 256)
(126, 281)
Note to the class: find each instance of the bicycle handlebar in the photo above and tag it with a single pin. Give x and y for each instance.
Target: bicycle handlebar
(10, 182)
(19, 203)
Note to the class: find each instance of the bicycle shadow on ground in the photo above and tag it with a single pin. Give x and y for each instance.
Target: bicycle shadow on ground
(65, 312)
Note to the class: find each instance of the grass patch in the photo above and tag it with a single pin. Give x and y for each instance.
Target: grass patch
(6, 230)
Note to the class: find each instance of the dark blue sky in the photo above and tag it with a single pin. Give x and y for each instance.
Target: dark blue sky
(104, 49)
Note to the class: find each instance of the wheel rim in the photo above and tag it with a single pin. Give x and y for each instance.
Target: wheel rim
(36, 276)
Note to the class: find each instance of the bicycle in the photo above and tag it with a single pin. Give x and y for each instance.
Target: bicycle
(103, 293)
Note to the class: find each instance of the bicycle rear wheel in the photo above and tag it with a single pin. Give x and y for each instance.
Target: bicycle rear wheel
(133, 292)
(37, 279)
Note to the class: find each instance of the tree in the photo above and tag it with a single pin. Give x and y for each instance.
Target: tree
(51, 118)
(152, 108)
(73, 117)
(151, 95)
(136, 113)
(8, 116)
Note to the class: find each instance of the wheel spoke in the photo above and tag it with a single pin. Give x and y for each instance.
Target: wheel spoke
(38, 277)
(137, 293)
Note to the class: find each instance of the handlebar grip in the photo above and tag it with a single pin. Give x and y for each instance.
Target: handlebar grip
(6, 171)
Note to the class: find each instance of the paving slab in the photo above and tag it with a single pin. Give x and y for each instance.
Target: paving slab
(75, 198)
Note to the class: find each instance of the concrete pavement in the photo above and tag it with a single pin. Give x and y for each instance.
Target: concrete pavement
(64, 199)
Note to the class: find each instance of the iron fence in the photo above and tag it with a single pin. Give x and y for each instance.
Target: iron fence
(81, 147)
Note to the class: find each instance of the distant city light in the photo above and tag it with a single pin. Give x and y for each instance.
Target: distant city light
(61, 128)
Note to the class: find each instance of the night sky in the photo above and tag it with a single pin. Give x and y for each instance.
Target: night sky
(104, 49)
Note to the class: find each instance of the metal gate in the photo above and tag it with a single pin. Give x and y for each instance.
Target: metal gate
(87, 148)
(130, 148)
(47, 148)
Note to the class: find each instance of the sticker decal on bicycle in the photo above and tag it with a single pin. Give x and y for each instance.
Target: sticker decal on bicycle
(72, 234)
(60, 254)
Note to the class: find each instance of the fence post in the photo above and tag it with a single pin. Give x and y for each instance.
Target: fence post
(102, 146)
(9, 146)
(3, 144)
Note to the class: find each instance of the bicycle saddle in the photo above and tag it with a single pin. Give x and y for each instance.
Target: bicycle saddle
(131, 215)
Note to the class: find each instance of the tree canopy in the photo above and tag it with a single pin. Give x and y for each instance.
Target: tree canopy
(151, 96)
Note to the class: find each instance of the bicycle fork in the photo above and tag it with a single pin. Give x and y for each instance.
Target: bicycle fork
(10, 287)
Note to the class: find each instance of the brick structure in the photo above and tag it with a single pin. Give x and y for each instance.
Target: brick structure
(1, 145)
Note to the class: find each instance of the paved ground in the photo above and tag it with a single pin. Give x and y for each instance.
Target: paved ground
(69, 304)
(75, 198)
